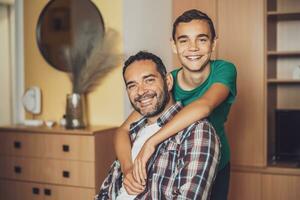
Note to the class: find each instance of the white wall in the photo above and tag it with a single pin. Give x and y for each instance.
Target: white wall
(5, 86)
(147, 26)
(11, 61)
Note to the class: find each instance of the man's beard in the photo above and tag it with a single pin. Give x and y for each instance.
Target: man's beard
(163, 99)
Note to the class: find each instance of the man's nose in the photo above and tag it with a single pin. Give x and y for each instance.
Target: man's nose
(141, 89)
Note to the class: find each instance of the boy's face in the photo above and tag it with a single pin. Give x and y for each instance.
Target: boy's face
(193, 44)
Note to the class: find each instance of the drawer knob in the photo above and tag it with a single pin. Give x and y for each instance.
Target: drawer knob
(66, 148)
(18, 169)
(47, 192)
(35, 190)
(66, 174)
(17, 145)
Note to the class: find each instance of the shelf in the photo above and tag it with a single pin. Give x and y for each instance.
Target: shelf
(279, 15)
(286, 169)
(283, 81)
(284, 53)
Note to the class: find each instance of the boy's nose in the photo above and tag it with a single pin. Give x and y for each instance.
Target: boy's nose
(193, 45)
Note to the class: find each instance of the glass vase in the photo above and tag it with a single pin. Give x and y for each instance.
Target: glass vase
(75, 111)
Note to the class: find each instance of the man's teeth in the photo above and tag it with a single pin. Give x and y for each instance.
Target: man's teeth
(146, 100)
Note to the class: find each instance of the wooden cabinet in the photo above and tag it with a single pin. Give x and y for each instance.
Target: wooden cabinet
(74, 147)
(282, 59)
(270, 183)
(241, 41)
(245, 186)
(278, 187)
(43, 163)
(15, 190)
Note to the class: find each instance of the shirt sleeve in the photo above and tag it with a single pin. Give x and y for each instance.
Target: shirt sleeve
(198, 166)
(226, 74)
(112, 183)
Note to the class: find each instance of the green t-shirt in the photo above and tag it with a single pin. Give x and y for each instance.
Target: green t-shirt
(221, 72)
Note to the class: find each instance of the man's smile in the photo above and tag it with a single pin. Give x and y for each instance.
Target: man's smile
(145, 100)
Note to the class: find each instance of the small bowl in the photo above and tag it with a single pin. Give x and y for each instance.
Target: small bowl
(50, 123)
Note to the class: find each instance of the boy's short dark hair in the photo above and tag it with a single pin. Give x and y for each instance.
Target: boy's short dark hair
(190, 15)
(143, 55)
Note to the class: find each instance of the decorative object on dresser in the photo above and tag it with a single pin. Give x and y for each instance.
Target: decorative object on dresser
(38, 162)
(31, 101)
(71, 37)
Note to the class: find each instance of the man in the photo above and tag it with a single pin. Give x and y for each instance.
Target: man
(184, 165)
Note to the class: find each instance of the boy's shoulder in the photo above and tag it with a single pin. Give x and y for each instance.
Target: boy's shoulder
(221, 63)
(223, 66)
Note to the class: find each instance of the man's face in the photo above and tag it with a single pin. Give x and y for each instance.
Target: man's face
(147, 91)
(193, 44)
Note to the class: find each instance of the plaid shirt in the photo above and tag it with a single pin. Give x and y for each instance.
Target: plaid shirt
(182, 167)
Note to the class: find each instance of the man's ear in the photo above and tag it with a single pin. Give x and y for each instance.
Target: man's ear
(173, 44)
(170, 81)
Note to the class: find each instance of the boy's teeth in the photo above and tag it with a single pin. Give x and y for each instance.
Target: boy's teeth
(193, 57)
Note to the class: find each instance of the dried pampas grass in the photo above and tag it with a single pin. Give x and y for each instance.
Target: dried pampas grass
(89, 63)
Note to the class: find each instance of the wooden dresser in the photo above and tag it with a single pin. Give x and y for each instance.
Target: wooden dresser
(53, 163)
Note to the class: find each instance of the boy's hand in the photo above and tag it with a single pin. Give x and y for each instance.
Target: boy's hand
(139, 166)
(131, 185)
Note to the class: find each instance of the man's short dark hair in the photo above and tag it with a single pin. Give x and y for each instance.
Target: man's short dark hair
(190, 15)
(143, 55)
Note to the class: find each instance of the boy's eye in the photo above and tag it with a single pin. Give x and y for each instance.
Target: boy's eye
(182, 41)
(203, 39)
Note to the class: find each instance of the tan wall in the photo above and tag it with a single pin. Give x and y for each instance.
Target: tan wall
(105, 104)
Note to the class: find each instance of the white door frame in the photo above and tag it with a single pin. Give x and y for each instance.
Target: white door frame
(17, 52)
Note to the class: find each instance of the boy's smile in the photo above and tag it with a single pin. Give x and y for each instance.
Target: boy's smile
(193, 44)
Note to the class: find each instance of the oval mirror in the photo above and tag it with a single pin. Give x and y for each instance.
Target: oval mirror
(67, 30)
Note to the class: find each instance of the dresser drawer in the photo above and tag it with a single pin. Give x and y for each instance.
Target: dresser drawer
(66, 172)
(15, 190)
(72, 147)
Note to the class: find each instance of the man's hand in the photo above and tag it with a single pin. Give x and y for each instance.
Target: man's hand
(131, 185)
(139, 166)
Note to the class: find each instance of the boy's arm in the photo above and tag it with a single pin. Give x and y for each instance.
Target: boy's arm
(193, 112)
(122, 142)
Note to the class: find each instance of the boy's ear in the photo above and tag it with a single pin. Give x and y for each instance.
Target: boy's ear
(173, 44)
(170, 81)
(214, 44)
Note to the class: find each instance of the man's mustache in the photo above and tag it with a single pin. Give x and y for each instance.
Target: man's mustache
(144, 96)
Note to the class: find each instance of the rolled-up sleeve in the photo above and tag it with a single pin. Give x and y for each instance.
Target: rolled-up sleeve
(112, 183)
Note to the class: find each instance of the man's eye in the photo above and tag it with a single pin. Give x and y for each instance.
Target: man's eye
(131, 87)
(150, 80)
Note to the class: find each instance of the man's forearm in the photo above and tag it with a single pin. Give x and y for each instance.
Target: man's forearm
(123, 149)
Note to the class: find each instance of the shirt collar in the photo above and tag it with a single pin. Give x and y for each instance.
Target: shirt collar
(161, 121)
